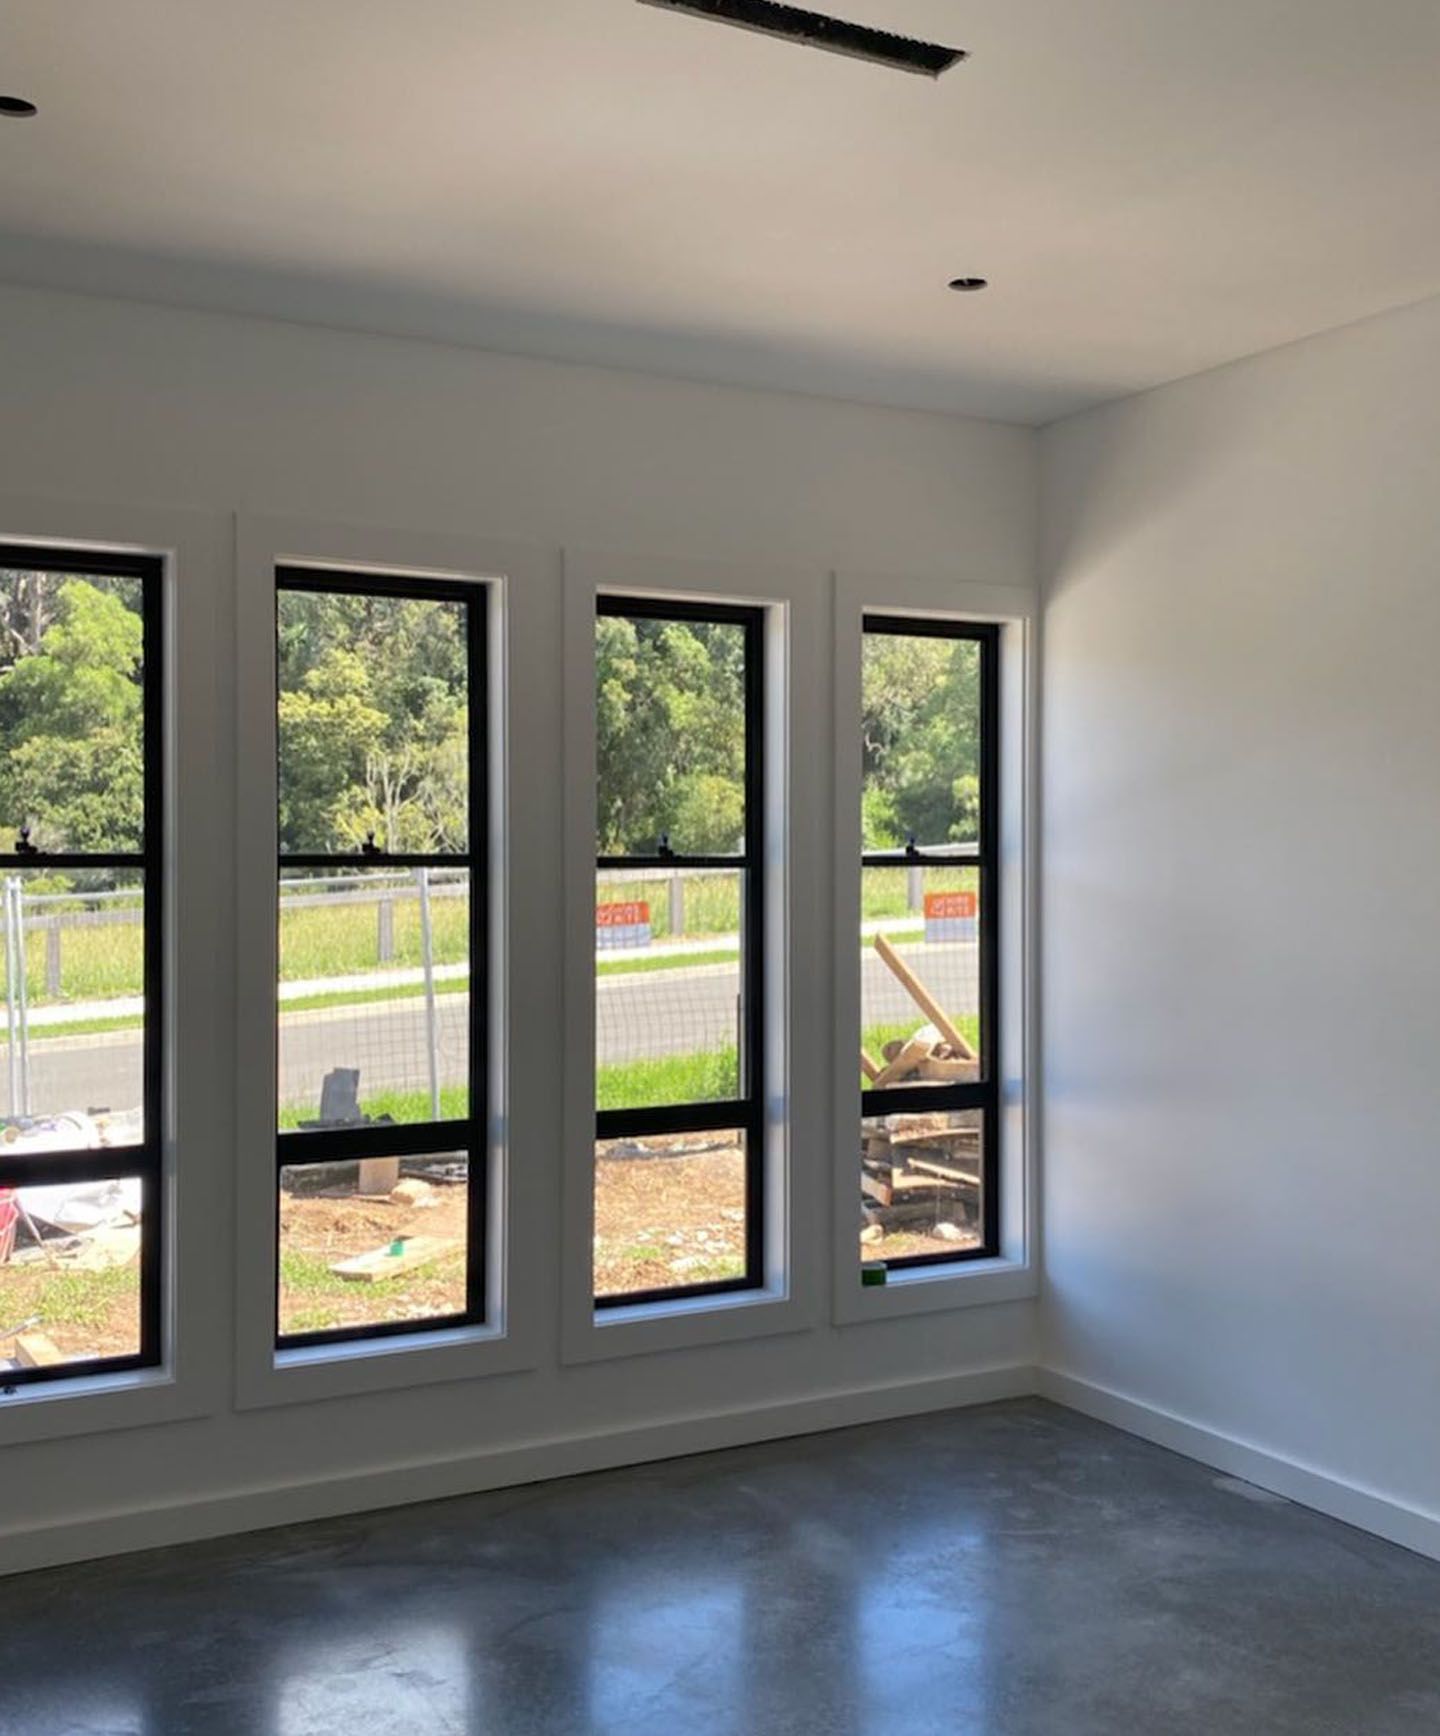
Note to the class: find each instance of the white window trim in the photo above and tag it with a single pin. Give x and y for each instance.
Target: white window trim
(1014, 1274)
(521, 588)
(195, 548)
(798, 820)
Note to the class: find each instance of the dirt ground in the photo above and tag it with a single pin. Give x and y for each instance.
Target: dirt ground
(319, 1230)
(902, 1244)
(662, 1219)
(666, 1214)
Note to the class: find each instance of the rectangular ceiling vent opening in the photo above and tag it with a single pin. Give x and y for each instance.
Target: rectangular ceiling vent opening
(814, 30)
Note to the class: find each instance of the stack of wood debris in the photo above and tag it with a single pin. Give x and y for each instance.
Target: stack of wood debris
(920, 1171)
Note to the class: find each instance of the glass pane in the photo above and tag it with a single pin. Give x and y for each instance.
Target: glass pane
(920, 976)
(920, 723)
(921, 1185)
(669, 1211)
(372, 1243)
(69, 1273)
(374, 1021)
(373, 721)
(670, 736)
(72, 1026)
(668, 995)
(72, 711)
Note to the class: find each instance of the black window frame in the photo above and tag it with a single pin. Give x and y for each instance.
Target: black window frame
(297, 1148)
(747, 1111)
(984, 1093)
(146, 1159)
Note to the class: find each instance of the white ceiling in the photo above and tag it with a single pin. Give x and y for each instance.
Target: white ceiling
(1152, 186)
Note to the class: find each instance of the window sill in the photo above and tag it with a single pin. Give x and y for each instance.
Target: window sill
(95, 1403)
(933, 1289)
(684, 1324)
(347, 1370)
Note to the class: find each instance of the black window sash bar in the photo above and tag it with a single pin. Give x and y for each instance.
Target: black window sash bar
(677, 861)
(376, 859)
(675, 1118)
(471, 1135)
(922, 856)
(984, 1093)
(145, 1160)
(746, 1114)
(77, 1167)
(126, 862)
(300, 1146)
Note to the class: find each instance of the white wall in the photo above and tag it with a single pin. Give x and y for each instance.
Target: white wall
(1242, 901)
(130, 402)
(114, 402)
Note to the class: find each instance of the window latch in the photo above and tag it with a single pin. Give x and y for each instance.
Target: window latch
(912, 849)
(663, 850)
(23, 846)
(370, 847)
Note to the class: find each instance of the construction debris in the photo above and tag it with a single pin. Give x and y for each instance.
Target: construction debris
(921, 1173)
(35, 1350)
(81, 1208)
(923, 999)
(377, 1176)
(404, 1254)
(412, 1192)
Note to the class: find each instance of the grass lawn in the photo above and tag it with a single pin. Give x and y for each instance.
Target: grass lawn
(711, 1077)
(317, 941)
(705, 1078)
(83, 1313)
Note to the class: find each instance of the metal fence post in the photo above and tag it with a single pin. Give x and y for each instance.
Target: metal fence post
(677, 907)
(915, 887)
(427, 958)
(21, 974)
(52, 958)
(11, 1007)
(385, 939)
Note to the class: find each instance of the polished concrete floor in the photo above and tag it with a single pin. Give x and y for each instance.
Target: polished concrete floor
(1011, 1571)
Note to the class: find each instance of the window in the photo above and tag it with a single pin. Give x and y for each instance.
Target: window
(81, 851)
(929, 893)
(381, 1147)
(680, 950)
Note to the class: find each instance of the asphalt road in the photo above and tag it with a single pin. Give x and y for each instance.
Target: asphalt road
(639, 1015)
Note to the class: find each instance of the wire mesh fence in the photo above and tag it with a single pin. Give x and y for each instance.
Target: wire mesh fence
(669, 989)
(375, 984)
(71, 1040)
(374, 978)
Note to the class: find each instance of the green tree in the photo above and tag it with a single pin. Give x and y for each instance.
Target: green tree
(373, 719)
(670, 734)
(71, 726)
(920, 723)
(327, 731)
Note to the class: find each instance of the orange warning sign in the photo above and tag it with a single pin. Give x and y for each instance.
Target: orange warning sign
(951, 906)
(636, 915)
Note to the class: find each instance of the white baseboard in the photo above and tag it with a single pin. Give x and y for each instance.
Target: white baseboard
(1411, 1527)
(86, 1537)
